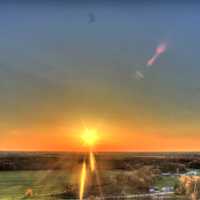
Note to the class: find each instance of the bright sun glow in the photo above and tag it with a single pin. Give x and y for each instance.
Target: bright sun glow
(90, 137)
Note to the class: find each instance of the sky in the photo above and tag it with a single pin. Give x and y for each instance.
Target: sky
(67, 65)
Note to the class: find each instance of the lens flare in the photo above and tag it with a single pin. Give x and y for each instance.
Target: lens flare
(89, 138)
(82, 181)
(159, 50)
(92, 161)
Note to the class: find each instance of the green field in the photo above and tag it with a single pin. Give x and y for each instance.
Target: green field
(13, 184)
(163, 181)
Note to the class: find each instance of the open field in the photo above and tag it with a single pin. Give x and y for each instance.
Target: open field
(13, 184)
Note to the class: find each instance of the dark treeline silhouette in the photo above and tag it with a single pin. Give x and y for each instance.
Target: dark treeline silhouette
(123, 161)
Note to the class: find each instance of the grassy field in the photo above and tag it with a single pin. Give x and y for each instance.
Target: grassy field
(164, 181)
(13, 184)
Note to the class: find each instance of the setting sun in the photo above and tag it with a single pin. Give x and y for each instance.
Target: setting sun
(90, 137)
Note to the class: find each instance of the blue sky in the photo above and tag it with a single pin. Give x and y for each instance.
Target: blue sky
(56, 66)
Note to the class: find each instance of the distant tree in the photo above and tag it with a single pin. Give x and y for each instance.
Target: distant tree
(190, 186)
(135, 181)
(172, 167)
(195, 164)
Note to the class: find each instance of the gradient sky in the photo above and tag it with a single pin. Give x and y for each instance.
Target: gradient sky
(60, 72)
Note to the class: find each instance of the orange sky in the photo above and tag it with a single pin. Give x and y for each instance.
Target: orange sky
(110, 139)
(115, 143)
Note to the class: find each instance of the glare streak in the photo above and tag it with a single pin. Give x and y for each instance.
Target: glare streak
(92, 161)
(82, 181)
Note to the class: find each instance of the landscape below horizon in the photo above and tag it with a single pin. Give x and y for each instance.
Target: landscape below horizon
(49, 175)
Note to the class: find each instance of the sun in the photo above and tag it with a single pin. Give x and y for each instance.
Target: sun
(90, 137)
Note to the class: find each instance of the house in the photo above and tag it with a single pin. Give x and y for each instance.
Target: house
(166, 174)
(167, 189)
(153, 189)
(192, 173)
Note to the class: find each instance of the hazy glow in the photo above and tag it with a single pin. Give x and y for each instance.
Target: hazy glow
(90, 137)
